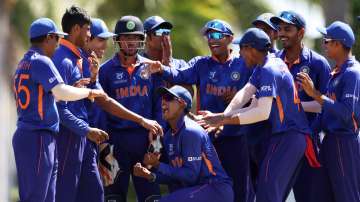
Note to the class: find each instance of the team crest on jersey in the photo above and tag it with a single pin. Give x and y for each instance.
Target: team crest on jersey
(212, 76)
(120, 78)
(171, 149)
(305, 69)
(145, 74)
(235, 76)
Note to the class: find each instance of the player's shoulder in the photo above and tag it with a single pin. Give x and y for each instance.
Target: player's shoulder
(193, 128)
(353, 70)
(274, 63)
(199, 60)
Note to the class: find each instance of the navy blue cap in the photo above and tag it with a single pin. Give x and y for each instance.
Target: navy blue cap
(217, 25)
(255, 38)
(154, 22)
(42, 27)
(99, 29)
(265, 18)
(178, 92)
(129, 25)
(339, 31)
(289, 17)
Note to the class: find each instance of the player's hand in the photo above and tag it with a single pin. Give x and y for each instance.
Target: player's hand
(96, 135)
(212, 119)
(154, 66)
(82, 83)
(152, 159)
(94, 93)
(153, 126)
(94, 66)
(306, 83)
(177, 162)
(166, 50)
(141, 171)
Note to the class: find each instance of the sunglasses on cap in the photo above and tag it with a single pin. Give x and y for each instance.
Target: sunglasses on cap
(291, 17)
(162, 32)
(328, 40)
(215, 35)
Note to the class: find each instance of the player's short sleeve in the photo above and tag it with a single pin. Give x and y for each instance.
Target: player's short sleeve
(264, 81)
(44, 72)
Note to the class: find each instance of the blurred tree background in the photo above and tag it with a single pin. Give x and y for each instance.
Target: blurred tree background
(188, 16)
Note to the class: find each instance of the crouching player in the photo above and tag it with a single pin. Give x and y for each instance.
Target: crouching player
(194, 165)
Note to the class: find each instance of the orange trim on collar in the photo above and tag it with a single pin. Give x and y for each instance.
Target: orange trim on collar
(70, 46)
(290, 64)
(335, 71)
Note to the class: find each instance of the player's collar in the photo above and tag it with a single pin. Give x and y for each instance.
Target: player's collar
(230, 57)
(179, 125)
(37, 50)
(71, 47)
(348, 63)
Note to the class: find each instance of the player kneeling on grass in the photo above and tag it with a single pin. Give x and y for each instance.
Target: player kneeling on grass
(194, 167)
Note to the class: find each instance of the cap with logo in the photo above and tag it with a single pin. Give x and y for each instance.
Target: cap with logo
(339, 31)
(217, 25)
(178, 92)
(289, 17)
(129, 25)
(42, 27)
(99, 29)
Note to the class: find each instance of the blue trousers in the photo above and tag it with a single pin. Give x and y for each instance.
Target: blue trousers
(340, 177)
(234, 156)
(78, 175)
(285, 152)
(130, 146)
(212, 192)
(36, 165)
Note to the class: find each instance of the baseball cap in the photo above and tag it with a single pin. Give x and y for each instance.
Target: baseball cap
(154, 22)
(178, 92)
(289, 17)
(129, 25)
(339, 31)
(42, 27)
(217, 25)
(99, 29)
(255, 38)
(265, 18)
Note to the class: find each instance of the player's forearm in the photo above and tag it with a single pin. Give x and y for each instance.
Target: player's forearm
(182, 174)
(71, 122)
(116, 109)
(176, 76)
(240, 99)
(69, 93)
(311, 106)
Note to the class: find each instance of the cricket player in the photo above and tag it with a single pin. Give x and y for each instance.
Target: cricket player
(37, 84)
(78, 176)
(340, 107)
(126, 78)
(218, 77)
(299, 58)
(263, 22)
(194, 162)
(277, 95)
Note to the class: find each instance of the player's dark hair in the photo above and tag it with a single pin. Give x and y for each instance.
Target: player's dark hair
(38, 40)
(74, 16)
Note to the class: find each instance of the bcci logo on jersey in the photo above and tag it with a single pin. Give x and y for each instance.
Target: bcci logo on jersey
(235, 76)
(305, 69)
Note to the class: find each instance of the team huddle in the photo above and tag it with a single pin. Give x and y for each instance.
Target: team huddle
(266, 122)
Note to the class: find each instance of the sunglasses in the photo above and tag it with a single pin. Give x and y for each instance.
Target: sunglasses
(327, 40)
(162, 32)
(215, 35)
(168, 98)
(57, 37)
(290, 17)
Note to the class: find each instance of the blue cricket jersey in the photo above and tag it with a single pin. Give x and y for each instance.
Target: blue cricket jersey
(34, 78)
(274, 79)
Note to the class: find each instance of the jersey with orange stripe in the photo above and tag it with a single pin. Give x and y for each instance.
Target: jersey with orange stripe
(274, 79)
(34, 78)
(191, 145)
(341, 110)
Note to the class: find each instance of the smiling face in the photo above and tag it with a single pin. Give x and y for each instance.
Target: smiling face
(171, 107)
(98, 45)
(83, 35)
(331, 47)
(218, 42)
(130, 43)
(290, 35)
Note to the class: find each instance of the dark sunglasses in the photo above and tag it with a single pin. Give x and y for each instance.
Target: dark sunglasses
(290, 17)
(327, 40)
(168, 97)
(162, 32)
(215, 35)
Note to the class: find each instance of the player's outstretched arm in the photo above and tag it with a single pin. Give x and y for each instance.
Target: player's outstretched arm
(69, 93)
(113, 107)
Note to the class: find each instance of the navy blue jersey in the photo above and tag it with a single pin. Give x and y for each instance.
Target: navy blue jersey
(341, 111)
(34, 78)
(73, 115)
(200, 161)
(214, 80)
(133, 87)
(274, 79)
